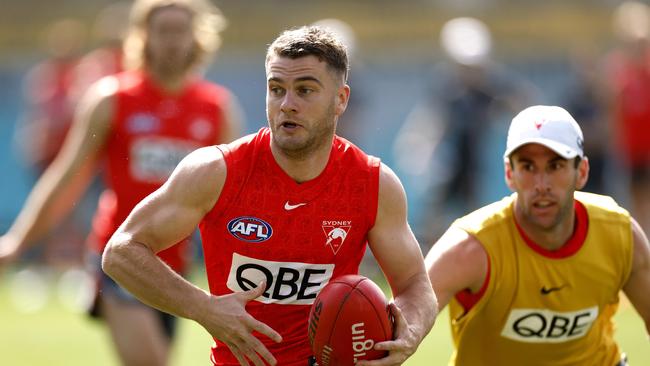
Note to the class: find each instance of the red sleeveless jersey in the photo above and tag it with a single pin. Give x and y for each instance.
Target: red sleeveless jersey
(150, 133)
(265, 226)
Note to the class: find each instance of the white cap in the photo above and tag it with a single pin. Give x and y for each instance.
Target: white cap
(550, 126)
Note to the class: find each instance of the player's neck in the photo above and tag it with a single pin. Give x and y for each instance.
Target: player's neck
(551, 238)
(171, 82)
(303, 166)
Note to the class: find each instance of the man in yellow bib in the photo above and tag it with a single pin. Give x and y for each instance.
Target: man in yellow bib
(534, 279)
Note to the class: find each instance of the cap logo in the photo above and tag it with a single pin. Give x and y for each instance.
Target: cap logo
(538, 124)
(581, 143)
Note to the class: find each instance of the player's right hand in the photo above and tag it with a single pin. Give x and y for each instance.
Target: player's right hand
(228, 321)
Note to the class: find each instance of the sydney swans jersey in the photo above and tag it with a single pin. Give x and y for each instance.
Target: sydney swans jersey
(541, 307)
(150, 133)
(265, 226)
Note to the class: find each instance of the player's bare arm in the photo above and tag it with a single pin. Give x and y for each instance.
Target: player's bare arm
(397, 251)
(69, 174)
(638, 284)
(457, 261)
(165, 217)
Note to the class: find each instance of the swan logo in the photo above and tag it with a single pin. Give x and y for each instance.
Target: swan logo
(335, 233)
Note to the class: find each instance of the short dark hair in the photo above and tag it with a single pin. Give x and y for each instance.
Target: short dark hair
(312, 41)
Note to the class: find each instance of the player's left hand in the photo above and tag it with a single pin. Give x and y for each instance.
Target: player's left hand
(399, 349)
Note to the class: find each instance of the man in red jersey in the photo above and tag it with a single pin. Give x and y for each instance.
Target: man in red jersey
(47, 86)
(281, 212)
(627, 77)
(140, 124)
(49, 109)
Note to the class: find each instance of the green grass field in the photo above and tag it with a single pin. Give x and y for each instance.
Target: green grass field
(58, 336)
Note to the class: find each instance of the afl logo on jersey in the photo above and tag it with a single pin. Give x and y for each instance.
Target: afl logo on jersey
(200, 128)
(142, 123)
(250, 229)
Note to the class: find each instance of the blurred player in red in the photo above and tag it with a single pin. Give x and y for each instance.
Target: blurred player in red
(281, 212)
(50, 103)
(48, 94)
(628, 81)
(534, 279)
(136, 126)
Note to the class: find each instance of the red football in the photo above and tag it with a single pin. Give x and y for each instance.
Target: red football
(349, 315)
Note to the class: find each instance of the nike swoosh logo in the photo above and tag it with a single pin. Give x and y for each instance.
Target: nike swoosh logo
(289, 207)
(546, 291)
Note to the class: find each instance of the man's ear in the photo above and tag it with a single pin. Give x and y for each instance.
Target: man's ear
(342, 97)
(508, 172)
(583, 173)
